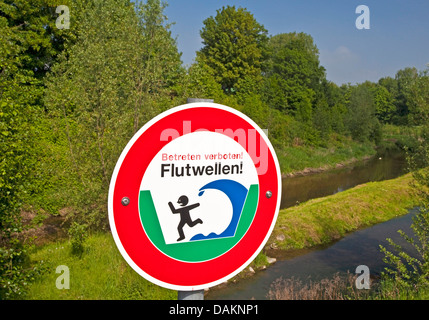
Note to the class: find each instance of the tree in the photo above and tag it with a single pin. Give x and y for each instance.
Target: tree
(294, 74)
(360, 119)
(28, 47)
(201, 83)
(158, 66)
(34, 24)
(112, 80)
(390, 84)
(418, 101)
(384, 104)
(233, 47)
(334, 98)
(405, 79)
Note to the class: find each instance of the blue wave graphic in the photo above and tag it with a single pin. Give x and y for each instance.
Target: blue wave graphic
(237, 194)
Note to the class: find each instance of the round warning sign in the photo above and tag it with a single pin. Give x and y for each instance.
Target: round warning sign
(194, 196)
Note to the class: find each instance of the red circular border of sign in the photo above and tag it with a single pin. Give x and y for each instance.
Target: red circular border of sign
(125, 222)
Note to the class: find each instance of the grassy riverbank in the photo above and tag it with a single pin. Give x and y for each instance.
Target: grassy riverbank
(305, 159)
(320, 221)
(100, 272)
(340, 151)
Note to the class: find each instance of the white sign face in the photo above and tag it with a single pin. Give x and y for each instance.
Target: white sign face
(191, 180)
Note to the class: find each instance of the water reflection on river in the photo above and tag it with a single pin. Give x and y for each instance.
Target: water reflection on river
(302, 188)
(358, 248)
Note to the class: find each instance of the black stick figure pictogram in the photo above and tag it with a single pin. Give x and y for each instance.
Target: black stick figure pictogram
(185, 217)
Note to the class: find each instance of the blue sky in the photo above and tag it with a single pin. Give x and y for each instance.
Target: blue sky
(398, 36)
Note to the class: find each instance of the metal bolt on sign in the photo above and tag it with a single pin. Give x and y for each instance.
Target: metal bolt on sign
(125, 201)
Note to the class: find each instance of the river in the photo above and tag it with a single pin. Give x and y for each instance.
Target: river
(297, 189)
(358, 248)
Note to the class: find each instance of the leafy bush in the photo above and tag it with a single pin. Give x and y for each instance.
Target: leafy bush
(78, 235)
(408, 273)
(16, 273)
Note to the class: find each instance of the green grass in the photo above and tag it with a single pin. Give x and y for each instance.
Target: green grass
(391, 290)
(299, 158)
(320, 221)
(400, 137)
(342, 150)
(100, 273)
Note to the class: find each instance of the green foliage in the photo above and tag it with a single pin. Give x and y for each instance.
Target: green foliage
(201, 83)
(360, 119)
(233, 46)
(28, 47)
(410, 271)
(301, 157)
(16, 271)
(384, 104)
(408, 93)
(106, 86)
(419, 163)
(405, 79)
(34, 33)
(82, 95)
(293, 74)
(13, 167)
(78, 234)
(257, 110)
(158, 69)
(419, 100)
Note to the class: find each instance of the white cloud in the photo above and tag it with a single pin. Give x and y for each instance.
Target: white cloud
(344, 54)
(341, 55)
(343, 65)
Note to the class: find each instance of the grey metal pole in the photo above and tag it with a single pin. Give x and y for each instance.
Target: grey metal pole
(197, 294)
(191, 295)
(192, 100)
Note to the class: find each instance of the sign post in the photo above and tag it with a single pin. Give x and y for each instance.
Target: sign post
(194, 197)
(197, 294)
